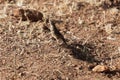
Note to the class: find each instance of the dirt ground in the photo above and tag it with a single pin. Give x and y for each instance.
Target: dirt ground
(91, 29)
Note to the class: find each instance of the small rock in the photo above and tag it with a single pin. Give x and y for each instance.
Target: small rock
(18, 13)
(27, 14)
(100, 68)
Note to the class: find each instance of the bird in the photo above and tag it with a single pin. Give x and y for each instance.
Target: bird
(56, 33)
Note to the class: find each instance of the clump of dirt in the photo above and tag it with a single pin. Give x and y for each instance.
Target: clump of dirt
(27, 14)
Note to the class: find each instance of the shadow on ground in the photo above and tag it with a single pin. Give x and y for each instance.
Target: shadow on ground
(112, 73)
(83, 52)
(111, 4)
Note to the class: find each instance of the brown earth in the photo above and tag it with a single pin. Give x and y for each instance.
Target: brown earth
(91, 29)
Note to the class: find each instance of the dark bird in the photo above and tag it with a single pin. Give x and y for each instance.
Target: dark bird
(56, 33)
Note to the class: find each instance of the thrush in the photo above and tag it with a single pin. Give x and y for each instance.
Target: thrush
(56, 33)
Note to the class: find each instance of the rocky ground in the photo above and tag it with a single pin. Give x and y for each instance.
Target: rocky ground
(91, 29)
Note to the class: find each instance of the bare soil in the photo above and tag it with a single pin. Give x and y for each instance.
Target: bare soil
(91, 29)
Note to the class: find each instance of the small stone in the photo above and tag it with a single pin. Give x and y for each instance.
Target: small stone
(100, 68)
(18, 13)
(27, 14)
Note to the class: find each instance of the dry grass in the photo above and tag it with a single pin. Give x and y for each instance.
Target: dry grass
(91, 29)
